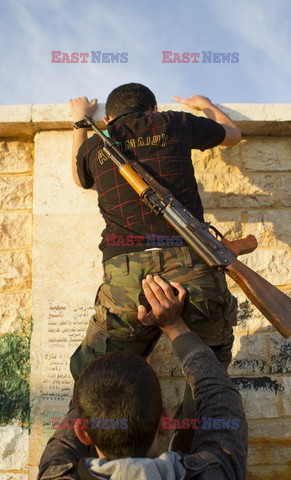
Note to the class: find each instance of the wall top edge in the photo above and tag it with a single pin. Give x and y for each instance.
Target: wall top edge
(251, 117)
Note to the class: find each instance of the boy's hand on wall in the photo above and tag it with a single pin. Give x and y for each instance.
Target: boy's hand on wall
(81, 106)
(197, 102)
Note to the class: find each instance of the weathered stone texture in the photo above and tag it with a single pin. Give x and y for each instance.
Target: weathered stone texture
(273, 265)
(15, 192)
(250, 353)
(54, 189)
(286, 382)
(268, 452)
(217, 160)
(172, 393)
(236, 190)
(14, 476)
(266, 153)
(273, 430)
(250, 320)
(261, 396)
(227, 222)
(163, 359)
(15, 157)
(279, 355)
(269, 472)
(15, 268)
(14, 448)
(14, 308)
(15, 230)
(272, 228)
(285, 190)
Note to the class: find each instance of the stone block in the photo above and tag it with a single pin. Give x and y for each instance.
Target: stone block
(268, 472)
(269, 442)
(250, 320)
(278, 429)
(15, 157)
(163, 359)
(15, 120)
(15, 307)
(250, 355)
(14, 448)
(68, 260)
(236, 190)
(54, 189)
(266, 153)
(273, 265)
(272, 228)
(15, 230)
(15, 192)
(14, 476)
(58, 116)
(226, 221)
(286, 383)
(268, 452)
(284, 196)
(217, 160)
(15, 268)
(15, 113)
(261, 396)
(172, 393)
(280, 354)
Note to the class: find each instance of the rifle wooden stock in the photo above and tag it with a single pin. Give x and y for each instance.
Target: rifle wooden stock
(272, 303)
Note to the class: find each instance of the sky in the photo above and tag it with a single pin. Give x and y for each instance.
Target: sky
(258, 30)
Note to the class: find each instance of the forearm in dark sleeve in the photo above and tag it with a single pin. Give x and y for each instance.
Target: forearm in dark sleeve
(216, 398)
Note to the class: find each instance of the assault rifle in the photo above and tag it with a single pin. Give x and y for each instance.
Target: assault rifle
(220, 254)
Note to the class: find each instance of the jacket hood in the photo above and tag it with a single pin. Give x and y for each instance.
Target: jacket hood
(166, 467)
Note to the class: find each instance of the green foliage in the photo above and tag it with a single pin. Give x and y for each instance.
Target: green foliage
(14, 375)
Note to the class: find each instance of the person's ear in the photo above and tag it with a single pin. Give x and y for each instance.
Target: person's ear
(81, 432)
(155, 108)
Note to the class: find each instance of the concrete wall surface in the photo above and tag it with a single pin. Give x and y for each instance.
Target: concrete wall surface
(51, 268)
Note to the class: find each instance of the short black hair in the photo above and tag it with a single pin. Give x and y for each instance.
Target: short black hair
(129, 95)
(120, 385)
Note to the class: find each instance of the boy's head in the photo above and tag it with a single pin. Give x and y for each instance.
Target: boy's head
(130, 95)
(123, 387)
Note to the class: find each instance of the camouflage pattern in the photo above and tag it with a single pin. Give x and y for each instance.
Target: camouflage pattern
(209, 310)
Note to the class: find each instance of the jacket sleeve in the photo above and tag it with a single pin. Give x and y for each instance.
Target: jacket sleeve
(219, 448)
(62, 453)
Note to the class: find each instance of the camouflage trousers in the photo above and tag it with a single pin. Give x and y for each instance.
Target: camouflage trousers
(209, 309)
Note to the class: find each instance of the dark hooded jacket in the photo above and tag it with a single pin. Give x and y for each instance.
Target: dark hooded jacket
(217, 453)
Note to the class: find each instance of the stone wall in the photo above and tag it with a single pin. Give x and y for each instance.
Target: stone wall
(16, 176)
(49, 279)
